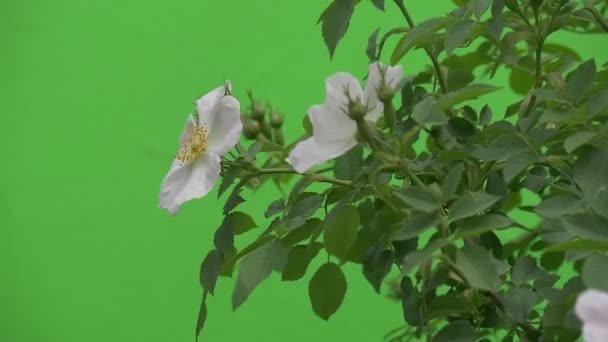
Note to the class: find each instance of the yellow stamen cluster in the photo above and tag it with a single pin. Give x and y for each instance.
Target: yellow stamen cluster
(193, 144)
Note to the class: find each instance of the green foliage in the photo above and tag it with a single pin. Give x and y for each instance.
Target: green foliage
(428, 188)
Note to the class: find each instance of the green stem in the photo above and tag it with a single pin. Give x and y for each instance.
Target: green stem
(315, 177)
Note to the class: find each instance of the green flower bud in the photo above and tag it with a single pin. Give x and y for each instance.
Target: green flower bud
(257, 111)
(357, 110)
(276, 120)
(385, 93)
(251, 128)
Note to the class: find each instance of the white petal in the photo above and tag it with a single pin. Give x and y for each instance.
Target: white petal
(592, 308)
(392, 77)
(226, 129)
(187, 182)
(207, 105)
(595, 334)
(331, 123)
(340, 84)
(311, 152)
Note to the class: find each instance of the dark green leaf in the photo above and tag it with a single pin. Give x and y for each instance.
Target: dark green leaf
(376, 265)
(471, 204)
(447, 305)
(233, 200)
(418, 198)
(349, 165)
(480, 7)
(591, 175)
(276, 207)
(485, 117)
(240, 222)
(335, 21)
(298, 260)
(415, 225)
(210, 270)
(524, 270)
(457, 34)
(577, 140)
(419, 34)
(502, 148)
(557, 206)
(522, 80)
(452, 181)
(223, 239)
(341, 232)
(302, 210)
(424, 114)
(470, 92)
(479, 268)
(460, 128)
(587, 226)
(597, 104)
(552, 260)
(518, 163)
(379, 4)
(202, 316)
(594, 272)
(302, 232)
(228, 178)
(480, 224)
(456, 331)
(580, 245)
(326, 290)
(416, 258)
(580, 80)
(459, 78)
(518, 303)
(255, 268)
(371, 44)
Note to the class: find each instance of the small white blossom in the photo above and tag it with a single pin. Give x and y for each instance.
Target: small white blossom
(592, 309)
(334, 130)
(206, 137)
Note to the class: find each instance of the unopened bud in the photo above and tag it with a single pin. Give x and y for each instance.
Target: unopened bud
(385, 93)
(251, 128)
(276, 120)
(357, 110)
(257, 111)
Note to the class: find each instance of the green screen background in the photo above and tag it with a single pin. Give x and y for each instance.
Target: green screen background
(94, 95)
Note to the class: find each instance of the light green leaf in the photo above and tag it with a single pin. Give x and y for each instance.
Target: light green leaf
(580, 80)
(470, 92)
(577, 140)
(457, 34)
(518, 303)
(456, 331)
(518, 163)
(418, 35)
(479, 268)
(560, 205)
(480, 224)
(594, 272)
(590, 172)
(415, 225)
(255, 268)
(418, 198)
(471, 204)
(298, 260)
(326, 290)
(581, 245)
(335, 21)
(341, 232)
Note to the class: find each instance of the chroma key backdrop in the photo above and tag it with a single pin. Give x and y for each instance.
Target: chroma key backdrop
(95, 95)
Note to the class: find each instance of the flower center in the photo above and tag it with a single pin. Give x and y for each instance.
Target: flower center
(193, 144)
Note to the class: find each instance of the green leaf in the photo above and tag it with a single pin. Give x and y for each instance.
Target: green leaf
(471, 204)
(415, 225)
(597, 104)
(255, 268)
(228, 178)
(518, 163)
(457, 34)
(456, 331)
(376, 265)
(416, 258)
(341, 233)
(233, 200)
(418, 35)
(371, 44)
(525, 270)
(470, 92)
(587, 226)
(452, 181)
(298, 260)
(210, 270)
(580, 80)
(577, 140)
(275, 207)
(379, 4)
(594, 272)
(590, 172)
(447, 305)
(480, 224)
(424, 114)
(560, 205)
(335, 21)
(581, 245)
(326, 290)
(502, 148)
(480, 7)
(202, 316)
(240, 222)
(485, 117)
(418, 198)
(518, 303)
(479, 268)
(458, 78)
(349, 165)
(302, 232)
(302, 210)
(460, 128)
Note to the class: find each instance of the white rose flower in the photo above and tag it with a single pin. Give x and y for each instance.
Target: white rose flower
(592, 309)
